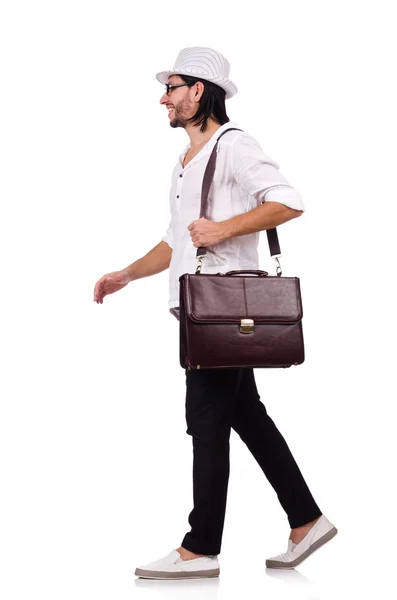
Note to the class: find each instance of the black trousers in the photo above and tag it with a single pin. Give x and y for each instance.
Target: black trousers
(216, 400)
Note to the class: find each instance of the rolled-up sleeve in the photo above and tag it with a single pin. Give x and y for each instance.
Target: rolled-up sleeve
(259, 176)
(168, 238)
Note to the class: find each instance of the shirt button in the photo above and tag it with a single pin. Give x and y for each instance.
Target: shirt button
(180, 175)
(177, 196)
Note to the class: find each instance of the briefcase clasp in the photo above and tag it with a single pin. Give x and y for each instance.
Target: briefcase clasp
(246, 325)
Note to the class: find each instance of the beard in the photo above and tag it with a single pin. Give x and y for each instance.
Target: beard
(181, 110)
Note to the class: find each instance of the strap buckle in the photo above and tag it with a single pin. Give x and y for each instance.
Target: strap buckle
(199, 265)
(278, 267)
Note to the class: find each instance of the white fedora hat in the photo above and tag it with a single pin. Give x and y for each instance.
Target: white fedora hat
(203, 63)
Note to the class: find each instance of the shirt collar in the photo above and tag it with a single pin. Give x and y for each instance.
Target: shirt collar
(207, 149)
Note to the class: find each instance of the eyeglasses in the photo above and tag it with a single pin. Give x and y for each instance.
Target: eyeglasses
(170, 86)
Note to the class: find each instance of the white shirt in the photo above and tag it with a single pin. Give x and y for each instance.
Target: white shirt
(245, 177)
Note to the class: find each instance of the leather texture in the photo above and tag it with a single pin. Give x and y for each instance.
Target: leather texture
(211, 310)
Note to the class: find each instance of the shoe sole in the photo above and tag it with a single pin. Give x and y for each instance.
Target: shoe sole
(180, 575)
(276, 564)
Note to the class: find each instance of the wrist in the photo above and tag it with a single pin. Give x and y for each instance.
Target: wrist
(128, 272)
(226, 230)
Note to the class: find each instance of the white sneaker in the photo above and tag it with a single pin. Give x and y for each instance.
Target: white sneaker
(173, 567)
(322, 532)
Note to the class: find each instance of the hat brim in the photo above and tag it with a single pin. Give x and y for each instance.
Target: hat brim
(227, 85)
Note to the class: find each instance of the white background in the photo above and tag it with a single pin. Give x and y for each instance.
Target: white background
(95, 461)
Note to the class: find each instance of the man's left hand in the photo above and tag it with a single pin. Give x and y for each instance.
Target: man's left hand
(206, 233)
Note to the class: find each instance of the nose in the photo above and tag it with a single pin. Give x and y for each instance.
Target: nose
(164, 99)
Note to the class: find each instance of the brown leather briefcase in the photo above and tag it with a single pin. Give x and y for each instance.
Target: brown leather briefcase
(239, 318)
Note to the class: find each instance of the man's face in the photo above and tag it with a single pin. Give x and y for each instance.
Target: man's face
(180, 102)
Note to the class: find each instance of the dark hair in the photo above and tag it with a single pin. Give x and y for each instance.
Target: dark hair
(212, 103)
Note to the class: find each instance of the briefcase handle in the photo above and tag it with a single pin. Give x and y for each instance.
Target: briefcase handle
(248, 272)
(272, 236)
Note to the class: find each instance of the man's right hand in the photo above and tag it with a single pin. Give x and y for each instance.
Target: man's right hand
(110, 283)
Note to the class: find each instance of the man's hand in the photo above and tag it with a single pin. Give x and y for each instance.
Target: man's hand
(206, 233)
(110, 283)
(268, 215)
(155, 261)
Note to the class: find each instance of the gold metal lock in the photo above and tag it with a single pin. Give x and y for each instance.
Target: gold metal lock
(246, 325)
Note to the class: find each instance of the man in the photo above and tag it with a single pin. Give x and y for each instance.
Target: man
(248, 195)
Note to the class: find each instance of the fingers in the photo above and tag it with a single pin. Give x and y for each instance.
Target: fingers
(98, 296)
(194, 223)
(108, 284)
(197, 237)
(99, 291)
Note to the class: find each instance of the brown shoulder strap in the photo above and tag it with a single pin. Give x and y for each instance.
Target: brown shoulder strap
(272, 235)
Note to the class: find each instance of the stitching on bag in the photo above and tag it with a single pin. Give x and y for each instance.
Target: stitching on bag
(187, 307)
(245, 298)
(298, 297)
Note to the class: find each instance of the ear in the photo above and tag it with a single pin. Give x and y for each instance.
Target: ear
(198, 90)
